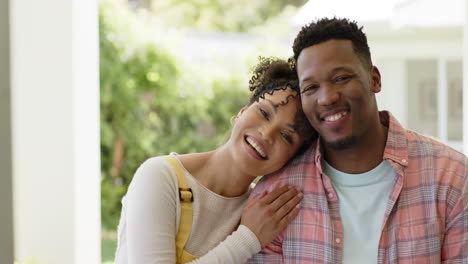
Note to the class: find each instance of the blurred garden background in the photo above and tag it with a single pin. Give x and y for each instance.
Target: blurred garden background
(172, 73)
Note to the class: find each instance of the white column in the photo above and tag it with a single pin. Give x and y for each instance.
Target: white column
(87, 152)
(6, 174)
(442, 100)
(55, 107)
(465, 80)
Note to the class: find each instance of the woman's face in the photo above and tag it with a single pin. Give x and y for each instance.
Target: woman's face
(264, 137)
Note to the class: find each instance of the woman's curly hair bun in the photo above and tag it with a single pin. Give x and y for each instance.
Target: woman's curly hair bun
(270, 74)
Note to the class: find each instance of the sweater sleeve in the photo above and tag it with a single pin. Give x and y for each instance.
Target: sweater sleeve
(151, 204)
(236, 248)
(151, 214)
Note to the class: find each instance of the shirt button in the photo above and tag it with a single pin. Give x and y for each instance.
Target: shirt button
(403, 160)
(338, 240)
(330, 195)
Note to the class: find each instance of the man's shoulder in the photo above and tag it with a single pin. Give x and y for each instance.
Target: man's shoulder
(417, 145)
(431, 157)
(424, 146)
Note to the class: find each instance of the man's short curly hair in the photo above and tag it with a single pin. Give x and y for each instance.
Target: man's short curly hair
(273, 74)
(325, 29)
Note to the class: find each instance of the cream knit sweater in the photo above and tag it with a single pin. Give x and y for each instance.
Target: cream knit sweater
(150, 218)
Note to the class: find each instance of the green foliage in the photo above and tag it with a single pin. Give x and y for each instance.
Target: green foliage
(150, 105)
(132, 73)
(220, 15)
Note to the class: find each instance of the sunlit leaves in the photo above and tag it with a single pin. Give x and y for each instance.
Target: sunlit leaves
(219, 15)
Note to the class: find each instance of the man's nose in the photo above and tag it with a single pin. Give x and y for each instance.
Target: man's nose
(328, 95)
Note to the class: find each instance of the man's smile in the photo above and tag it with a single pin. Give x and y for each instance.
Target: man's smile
(334, 117)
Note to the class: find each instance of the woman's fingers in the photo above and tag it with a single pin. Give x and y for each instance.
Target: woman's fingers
(289, 206)
(289, 217)
(282, 198)
(268, 213)
(280, 202)
(256, 199)
(273, 195)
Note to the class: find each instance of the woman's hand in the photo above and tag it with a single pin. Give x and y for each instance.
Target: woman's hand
(268, 214)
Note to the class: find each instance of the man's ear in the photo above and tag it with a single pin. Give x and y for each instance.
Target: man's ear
(376, 80)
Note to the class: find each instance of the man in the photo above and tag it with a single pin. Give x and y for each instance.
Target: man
(373, 191)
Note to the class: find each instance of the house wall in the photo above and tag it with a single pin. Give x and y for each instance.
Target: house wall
(408, 60)
(393, 94)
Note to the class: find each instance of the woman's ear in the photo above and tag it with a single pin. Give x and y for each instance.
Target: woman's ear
(242, 110)
(234, 118)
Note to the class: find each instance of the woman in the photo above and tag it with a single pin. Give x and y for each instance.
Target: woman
(186, 208)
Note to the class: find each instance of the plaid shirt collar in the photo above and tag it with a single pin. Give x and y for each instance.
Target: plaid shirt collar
(396, 148)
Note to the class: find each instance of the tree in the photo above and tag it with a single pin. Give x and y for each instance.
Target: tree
(219, 15)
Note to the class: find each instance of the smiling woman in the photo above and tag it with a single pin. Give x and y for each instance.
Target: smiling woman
(175, 202)
(268, 127)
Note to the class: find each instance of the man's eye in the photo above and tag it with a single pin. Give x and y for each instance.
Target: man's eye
(309, 88)
(264, 114)
(342, 78)
(286, 137)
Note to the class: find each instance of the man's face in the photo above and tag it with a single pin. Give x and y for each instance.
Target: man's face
(338, 93)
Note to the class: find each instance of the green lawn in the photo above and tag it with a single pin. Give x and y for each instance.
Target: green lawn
(108, 250)
(108, 246)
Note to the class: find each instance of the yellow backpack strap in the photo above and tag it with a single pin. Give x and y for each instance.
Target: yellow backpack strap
(185, 225)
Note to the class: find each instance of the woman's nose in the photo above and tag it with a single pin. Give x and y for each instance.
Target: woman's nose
(267, 131)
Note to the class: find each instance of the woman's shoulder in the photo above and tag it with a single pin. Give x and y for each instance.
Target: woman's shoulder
(155, 172)
(155, 163)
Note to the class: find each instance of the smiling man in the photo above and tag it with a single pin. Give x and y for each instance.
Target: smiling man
(374, 192)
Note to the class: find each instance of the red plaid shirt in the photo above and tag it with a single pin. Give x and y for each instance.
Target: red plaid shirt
(426, 219)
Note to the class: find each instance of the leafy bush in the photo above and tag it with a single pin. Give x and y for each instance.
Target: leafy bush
(150, 105)
(220, 15)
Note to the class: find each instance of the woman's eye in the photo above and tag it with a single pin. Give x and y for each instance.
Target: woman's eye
(264, 114)
(286, 137)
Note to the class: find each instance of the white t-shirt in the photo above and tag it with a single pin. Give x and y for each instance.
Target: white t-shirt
(151, 214)
(362, 200)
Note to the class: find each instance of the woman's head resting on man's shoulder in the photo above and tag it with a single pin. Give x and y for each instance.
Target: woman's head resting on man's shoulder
(271, 128)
